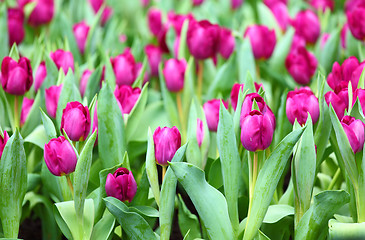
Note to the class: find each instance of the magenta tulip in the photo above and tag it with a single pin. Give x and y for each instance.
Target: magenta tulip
(306, 24)
(76, 121)
(197, 2)
(211, 111)
(324, 39)
(127, 97)
(344, 31)
(60, 157)
(16, 77)
(226, 43)
(177, 20)
(339, 101)
(3, 140)
(15, 26)
(81, 30)
(121, 185)
(52, 95)
(26, 107)
(271, 3)
(298, 42)
(356, 21)
(42, 13)
(124, 68)
(354, 129)
(40, 75)
(235, 4)
(84, 80)
(322, 4)
(235, 92)
(199, 132)
(281, 14)
(262, 41)
(359, 94)
(167, 141)
(341, 75)
(174, 73)
(356, 75)
(107, 12)
(63, 59)
(154, 18)
(154, 56)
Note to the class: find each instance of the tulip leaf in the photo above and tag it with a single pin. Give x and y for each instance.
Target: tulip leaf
(110, 78)
(183, 51)
(188, 222)
(52, 72)
(111, 132)
(282, 48)
(357, 111)
(38, 137)
(328, 54)
(167, 196)
(267, 181)
(208, 201)
(277, 212)
(246, 61)
(282, 123)
(230, 162)
(13, 184)
(140, 79)
(104, 227)
(193, 154)
(134, 225)
(14, 52)
(315, 220)
(340, 230)
(93, 83)
(267, 17)
(33, 118)
(151, 168)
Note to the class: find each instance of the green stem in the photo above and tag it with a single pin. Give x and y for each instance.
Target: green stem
(334, 179)
(200, 79)
(253, 172)
(70, 184)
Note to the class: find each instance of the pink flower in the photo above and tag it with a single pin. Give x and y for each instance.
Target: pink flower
(226, 43)
(52, 95)
(154, 17)
(211, 111)
(121, 185)
(199, 132)
(154, 56)
(341, 75)
(40, 75)
(15, 26)
(262, 41)
(84, 80)
(63, 59)
(26, 107)
(356, 21)
(339, 101)
(81, 30)
(124, 67)
(167, 141)
(306, 24)
(322, 4)
(174, 73)
(354, 129)
(127, 97)
(42, 13)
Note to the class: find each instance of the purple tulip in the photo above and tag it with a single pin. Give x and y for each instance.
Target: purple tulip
(124, 68)
(271, 3)
(177, 20)
(356, 21)
(298, 42)
(356, 75)
(197, 2)
(154, 56)
(322, 4)
(174, 73)
(16, 77)
(26, 106)
(52, 95)
(167, 141)
(60, 157)
(3, 141)
(84, 80)
(235, 4)
(211, 111)
(306, 24)
(226, 43)
(299, 103)
(199, 132)
(354, 129)
(42, 13)
(76, 121)
(344, 31)
(107, 12)
(154, 18)
(63, 59)
(339, 101)
(256, 131)
(15, 26)
(281, 14)
(301, 65)
(341, 75)
(234, 94)
(40, 75)
(121, 185)
(262, 41)
(81, 30)
(127, 97)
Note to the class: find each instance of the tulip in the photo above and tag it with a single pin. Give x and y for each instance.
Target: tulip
(256, 131)
(81, 30)
(3, 140)
(322, 4)
(15, 26)
(271, 3)
(107, 12)
(40, 75)
(235, 4)
(174, 73)
(197, 2)
(76, 121)
(356, 75)
(356, 21)
(154, 56)
(63, 59)
(281, 14)
(299, 103)
(177, 21)
(124, 68)
(339, 101)
(139, 67)
(211, 111)
(16, 77)
(234, 94)
(166, 141)
(350, 5)
(161, 38)
(199, 132)
(354, 129)
(203, 39)
(60, 157)
(262, 41)
(344, 31)
(154, 17)
(121, 185)
(301, 65)
(42, 13)
(52, 95)
(84, 80)
(306, 24)
(145, 3)
(298, 42)
(342, 74)
(226, 43)
(360, 94)
(258, 86)
(26, 107)
(127, 97)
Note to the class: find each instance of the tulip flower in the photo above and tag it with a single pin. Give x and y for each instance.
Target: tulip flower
(203, 39)
(339, 101)
(124, 68)
(342, 74)
(344, 31)
(322, 4)
(197, 2)
(360, 94)
(84, 80)
(26, 107)
(42, 13)
(16, 77)
(60, 157)
(306, 24)
(211, 111)
(76, 121)
(174, 73)
(161, 39)
(177, 21)
(3, 140)
(52, 95)
(81, 30)
(145, 3)
(354, 129)
(234, 94)
(299, 103)
(121, 185)
(154, 18)
(226, 43)
(271, 3)
(256, 131)
(356, 21)
(281, 14)
(301, 65)
(40, 75)
(15, 26)
(166, 141)
(235, 4)
(199, 132)
(127, 97)
(107, 12)
(262, 41)
(298, 42)
(154, 56)
(63, 59)
(356, 75)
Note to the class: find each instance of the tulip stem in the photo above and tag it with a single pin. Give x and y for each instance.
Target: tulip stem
(334, 179)
(70, 184)
(181, 113)
(200, 79)
(253, 172)
(163, 172)
(16, 113)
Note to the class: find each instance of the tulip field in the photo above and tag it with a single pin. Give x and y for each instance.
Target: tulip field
(182, 119)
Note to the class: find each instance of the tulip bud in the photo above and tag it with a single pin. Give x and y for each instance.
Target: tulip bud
(59, 156)
(124, 68)
(281, 14)
(174, 73)
(342, 74)
(145, 3)
(40, 75)
(121, 185)
(338, 101)
(154, 17)
(344, 31)
(177, 20)
(299, 103)
(42, 13)
(26, 106)
(107, 12)
(301, 65)
(52, 95)
(81, 30)
(16, 77)
(63, 59)
(127, 97)
(356, 21)
(15, 26)
(76, 121)
(235, 4)
(199, 132)
(167, 141)
(3, 140)
(84, 80)
(306, 24)
(197, 2)
(203, 39)
(271, 3)
(298, 42)
(226, 43)
(154, 56)
(354, 129)
(256, 131)
(211, 111)
(234, 94)
(322, 4)
(262, 41)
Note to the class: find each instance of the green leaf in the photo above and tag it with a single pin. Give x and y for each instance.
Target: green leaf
(208, 201)
(104, 227)
(282, 48)
(328, 54)
(52, 72)
(267, 18)
(277, 212)
(267, 182)
(93, 84)
(339, 230)
(38, 137)
(14, 52)
(151, 168)
(139, 80)
(246, 61)
(183, 51)
(33, 119)
(188, 222)
(48, 126)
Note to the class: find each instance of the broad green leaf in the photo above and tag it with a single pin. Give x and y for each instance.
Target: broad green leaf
(183, 51)
(145, 211)
(339, 230)
(249, 86)
(139, 80)
(51, 183)
(52, 72)
(328, 54)
(93, 84)
(357, 111)
(188, 222)
(246, 61)
(104, 227)
(14, 52)
(38, 137)
(282, 48)
(277, 212)
(151, 168)
(237, 115)
(267, 18)
(283, 126)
